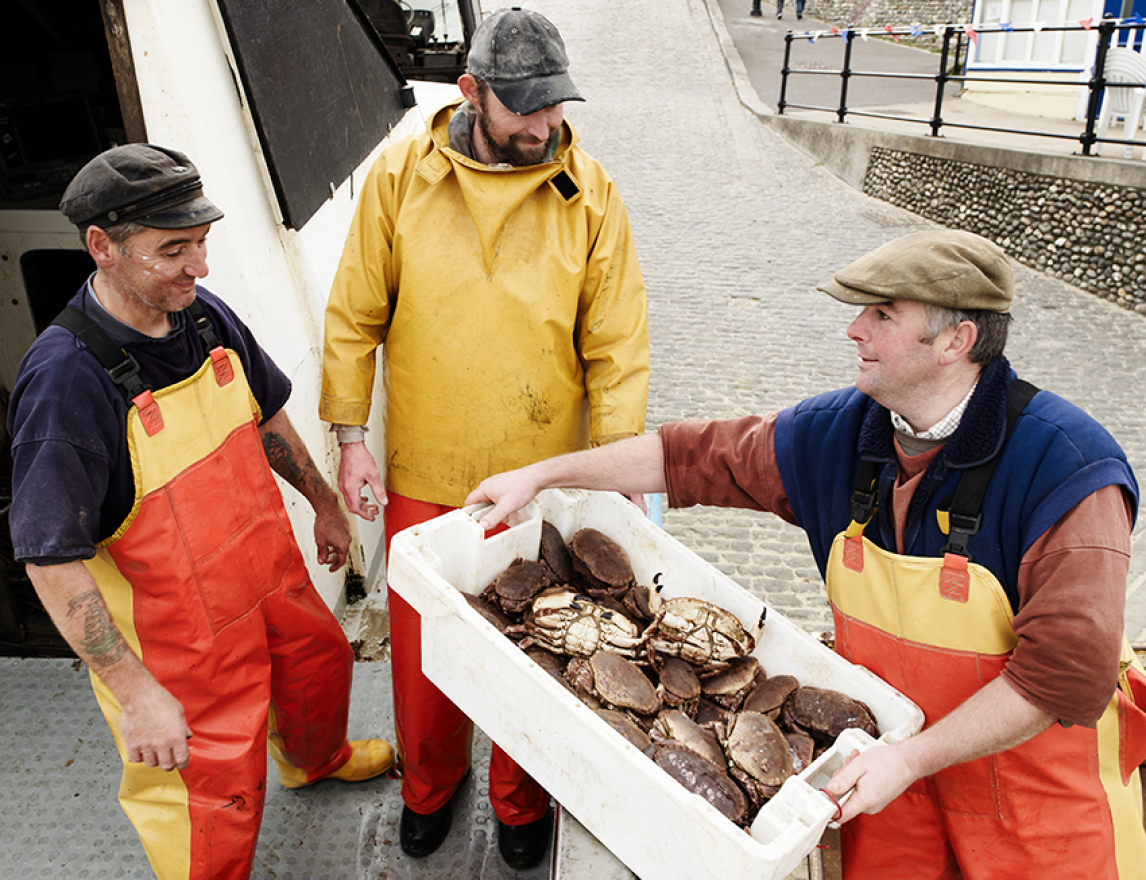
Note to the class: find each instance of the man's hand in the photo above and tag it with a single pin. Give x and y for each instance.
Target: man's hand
(875, 778)
(331, 533)
(155, 731)
(356, 470)
(509, 492)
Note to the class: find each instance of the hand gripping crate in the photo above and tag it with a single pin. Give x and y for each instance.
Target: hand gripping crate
(649, 821)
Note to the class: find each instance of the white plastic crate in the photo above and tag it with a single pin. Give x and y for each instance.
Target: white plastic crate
(648, 820)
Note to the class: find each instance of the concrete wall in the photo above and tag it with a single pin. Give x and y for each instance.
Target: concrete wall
(1073, 217)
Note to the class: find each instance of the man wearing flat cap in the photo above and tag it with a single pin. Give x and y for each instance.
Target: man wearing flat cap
(974, 536)
(145, 423)
(491, 264)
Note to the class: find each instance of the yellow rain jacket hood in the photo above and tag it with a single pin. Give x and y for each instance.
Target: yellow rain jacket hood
(509, 305)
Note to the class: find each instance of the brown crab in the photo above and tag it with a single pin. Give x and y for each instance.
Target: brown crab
(701, 777)
(824, 714)
(679, 686)
(759, 757)
(567, 622)
(554, 554)
(731, 685)
(616, 682)
(515, 587)
(626, 727)
(602, 562)
(703, 634)
(674, 725)
(492, 612)
(768, 697)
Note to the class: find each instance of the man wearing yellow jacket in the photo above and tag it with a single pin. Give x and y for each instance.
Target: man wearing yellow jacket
(492, 261)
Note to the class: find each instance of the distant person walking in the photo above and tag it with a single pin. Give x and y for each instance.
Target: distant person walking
(799, 8)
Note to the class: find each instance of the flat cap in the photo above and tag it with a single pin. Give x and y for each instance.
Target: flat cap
(138, 183)
(948, 268)
(522, 57)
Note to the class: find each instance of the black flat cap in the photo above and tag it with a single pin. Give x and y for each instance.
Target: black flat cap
(138, 183)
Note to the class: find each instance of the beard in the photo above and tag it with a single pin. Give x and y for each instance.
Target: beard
(517, 149)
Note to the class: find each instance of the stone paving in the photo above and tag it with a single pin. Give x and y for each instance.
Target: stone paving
(734, 228)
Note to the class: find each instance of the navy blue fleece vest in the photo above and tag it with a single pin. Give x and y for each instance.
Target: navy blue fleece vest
(1056, 456)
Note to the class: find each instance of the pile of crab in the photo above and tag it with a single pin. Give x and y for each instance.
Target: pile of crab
(675, 677)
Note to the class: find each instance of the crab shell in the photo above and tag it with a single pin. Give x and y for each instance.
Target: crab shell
(621, 685)
(674, 725)
(824, 714)
(602, 562)
(698, 632)
(515, 587)
(731, 685)
(626, 727)
(555, 554)
(679, 686)
(768, 697)
(701, 777)
(571, 623)
(491, 611)
(759, 756)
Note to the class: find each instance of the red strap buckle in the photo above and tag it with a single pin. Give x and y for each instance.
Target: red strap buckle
(149, 415)
(853, 553)
(954, 579)
(224, 372)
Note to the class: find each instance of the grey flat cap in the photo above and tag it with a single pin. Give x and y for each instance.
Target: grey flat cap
(522, 57)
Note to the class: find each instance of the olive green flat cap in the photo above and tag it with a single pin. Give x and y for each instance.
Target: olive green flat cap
(948, 268)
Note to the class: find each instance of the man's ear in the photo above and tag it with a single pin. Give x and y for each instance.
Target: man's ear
(961, 342)
(101, 247)
(469, 88)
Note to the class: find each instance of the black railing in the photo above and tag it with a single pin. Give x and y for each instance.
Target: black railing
(952, 69)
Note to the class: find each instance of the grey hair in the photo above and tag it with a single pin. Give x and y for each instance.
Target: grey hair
(120, 233)
(992, 326)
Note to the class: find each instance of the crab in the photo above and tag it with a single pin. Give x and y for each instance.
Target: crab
(824, 714)
(602, 562)
(515, 587)
(803, 749)
(492, 612)
(768, 697)
(554, 554)
(673, 725)
(567, 622)
(759, 756)
(626, 727)
(616, 682)
(701, 777)
(699, 632)
(679, 687)
(731, 685)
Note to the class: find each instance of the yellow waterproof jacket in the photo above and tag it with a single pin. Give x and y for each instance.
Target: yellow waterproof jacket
(509, 306)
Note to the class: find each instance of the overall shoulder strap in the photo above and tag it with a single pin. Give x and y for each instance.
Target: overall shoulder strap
(120, 366)
(964, 516)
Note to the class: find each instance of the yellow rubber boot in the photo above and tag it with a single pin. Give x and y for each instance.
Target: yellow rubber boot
(368, 758)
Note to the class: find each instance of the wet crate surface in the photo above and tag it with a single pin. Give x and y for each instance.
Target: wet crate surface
(648, 820)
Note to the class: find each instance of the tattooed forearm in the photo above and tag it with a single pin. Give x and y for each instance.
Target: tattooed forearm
(101, 640)
(302, 476)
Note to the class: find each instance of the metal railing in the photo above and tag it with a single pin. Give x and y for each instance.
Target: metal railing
(952, 70)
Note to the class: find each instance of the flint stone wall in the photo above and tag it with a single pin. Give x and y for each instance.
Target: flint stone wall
(877, 13)
(1092, 235)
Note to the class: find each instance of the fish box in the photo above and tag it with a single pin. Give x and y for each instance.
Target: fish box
(647, 819)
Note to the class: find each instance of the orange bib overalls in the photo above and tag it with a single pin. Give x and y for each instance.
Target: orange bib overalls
(1065, 804)
(205, 582)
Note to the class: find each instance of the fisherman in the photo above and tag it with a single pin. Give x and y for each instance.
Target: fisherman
(145, 423)
(491, 261)
(974, 536)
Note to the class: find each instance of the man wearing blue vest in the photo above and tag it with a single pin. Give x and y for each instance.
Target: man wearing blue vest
(974, 536)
